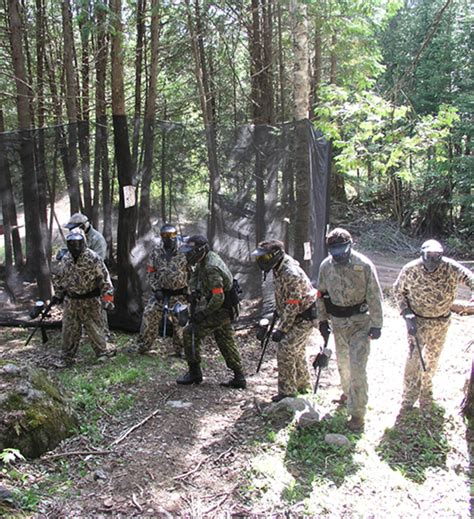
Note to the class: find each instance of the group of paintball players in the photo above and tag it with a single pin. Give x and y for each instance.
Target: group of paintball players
(192, 287)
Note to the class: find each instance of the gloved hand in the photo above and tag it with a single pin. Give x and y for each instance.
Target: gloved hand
(57, 299)
(159, 296)
(324, 329)
(108, 306)
(278, 335)
(375, 333)
(199, 316)
(410, 321)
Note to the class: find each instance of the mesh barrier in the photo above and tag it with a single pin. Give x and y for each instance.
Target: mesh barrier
(245, 155)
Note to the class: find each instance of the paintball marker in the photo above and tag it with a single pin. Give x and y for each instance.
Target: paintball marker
(321, 361)
(166, 299)
(264, 333)
(418, 347)
(40, 309)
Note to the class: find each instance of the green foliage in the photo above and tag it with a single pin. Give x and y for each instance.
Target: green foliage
(8, 456)
(416, 443)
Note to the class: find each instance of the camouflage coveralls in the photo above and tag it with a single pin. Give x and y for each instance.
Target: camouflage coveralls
(211, 278)
(350, 285)
(169, 273)
(87, 275)
(429, 296)
(96, 242)
(293, 295)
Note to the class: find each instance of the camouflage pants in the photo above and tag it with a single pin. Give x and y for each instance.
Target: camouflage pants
(220, 326)
(76, 314)
(293, 372)
(431, 334)
(351, 336)
(151, 321)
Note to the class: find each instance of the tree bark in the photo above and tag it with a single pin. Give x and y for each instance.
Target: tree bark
(71, 108)
(149, 124)
(36, 258)
(128, 300)
(139, 53)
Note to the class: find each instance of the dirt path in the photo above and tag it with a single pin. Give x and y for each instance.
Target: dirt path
(202, 453)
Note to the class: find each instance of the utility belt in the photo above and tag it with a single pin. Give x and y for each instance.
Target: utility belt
(447, 316)
(344, 311)
(87, 295)
(167, 292)
(310, 314)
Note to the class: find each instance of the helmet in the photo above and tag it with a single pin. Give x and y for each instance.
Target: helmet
(339, 242)
(195, 248)
(78, 220)
(269, 254)
(431, 254)
(76, 243)
(169, 237)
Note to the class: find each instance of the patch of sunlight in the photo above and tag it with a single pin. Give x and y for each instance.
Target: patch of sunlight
(270, 476)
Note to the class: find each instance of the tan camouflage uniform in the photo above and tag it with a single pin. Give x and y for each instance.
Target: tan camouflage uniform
(168, 273)
(349, 285)
(211, 278)
(293, 295)
(429, 296)
(75, 278)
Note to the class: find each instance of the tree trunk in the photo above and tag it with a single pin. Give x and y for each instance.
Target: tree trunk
(149, 124)
(206, 98)
(128, 301)
(140, 28)
(300, 114)
(316, 76)
(36, 258)
(71, 108)
(13, 250)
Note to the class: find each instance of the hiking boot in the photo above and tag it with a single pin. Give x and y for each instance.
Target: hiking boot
(356, 424)
(237, 382)
(193, 376)
(341, 401)
(281, 396)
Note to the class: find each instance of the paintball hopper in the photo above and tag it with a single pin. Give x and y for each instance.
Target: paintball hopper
(262, 328)
(322, 358)
(181, 312)
(37, 309)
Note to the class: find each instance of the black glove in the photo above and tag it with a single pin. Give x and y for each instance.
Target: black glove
(159, 296)
(278, 335)
(324, 329)
(410, 321)
(57, 300)
(199, 316)
(375, 333)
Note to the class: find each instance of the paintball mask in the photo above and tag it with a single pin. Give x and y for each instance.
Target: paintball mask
(181, 312)
(169, 237)
(431, 255)
(195, 249)
(37, 309)
(340, 252)
(76, 244)
(268, 258)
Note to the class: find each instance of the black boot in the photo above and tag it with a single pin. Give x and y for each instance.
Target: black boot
(193, 376)
(238, 382)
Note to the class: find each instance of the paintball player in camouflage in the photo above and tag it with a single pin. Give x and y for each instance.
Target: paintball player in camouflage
(424, 291)
(95, 240)
(167, 274)
(83, 283)
(210, 284)
(350, 296)
(295, 301)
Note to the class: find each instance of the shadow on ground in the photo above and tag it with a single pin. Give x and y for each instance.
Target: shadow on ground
(416, 442)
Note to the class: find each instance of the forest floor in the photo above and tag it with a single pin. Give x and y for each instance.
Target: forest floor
(207, 451)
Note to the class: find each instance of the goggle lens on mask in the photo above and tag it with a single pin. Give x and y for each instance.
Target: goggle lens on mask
(168, 235)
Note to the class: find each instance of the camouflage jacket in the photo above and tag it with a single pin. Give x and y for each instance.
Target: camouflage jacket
(86, 274)
(211, 278)
(165, 271)
(350, 285)
(430, 294)
(96, 242)
(294, 292)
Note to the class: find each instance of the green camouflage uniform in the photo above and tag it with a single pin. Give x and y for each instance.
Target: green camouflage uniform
(168, 273)
(87, 275)
(211, 278)
(294, 294)
(350, 285)
(429, 296)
